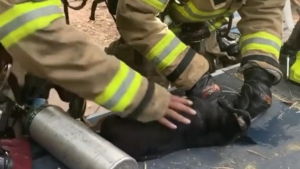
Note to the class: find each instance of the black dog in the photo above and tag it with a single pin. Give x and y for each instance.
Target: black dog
(212, 126)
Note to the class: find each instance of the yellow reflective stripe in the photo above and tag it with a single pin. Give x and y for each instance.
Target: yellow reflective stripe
(262, 41)
(25, 18)
(216, 24)
(295, 70)
(160, 5)
(165, 52)
(121, 90)
(190, 12)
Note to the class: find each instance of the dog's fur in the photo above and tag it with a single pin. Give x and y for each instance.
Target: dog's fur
(210, 127)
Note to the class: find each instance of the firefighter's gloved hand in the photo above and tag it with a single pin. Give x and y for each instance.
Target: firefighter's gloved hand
(19, 152)
(205, 89)
(255, 95)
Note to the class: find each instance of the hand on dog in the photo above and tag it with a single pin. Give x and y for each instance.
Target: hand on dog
(177, 104)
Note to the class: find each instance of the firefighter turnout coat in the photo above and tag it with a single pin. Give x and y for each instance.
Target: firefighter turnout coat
(36, 36)
(260, 26)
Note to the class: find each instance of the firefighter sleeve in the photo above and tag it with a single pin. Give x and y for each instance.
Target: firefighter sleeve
(35, 35)
(139, 26)
(261, 29)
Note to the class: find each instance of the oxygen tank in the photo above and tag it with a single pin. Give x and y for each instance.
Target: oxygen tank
(73, 143)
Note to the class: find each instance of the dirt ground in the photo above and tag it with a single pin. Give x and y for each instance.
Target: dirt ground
(101, 31)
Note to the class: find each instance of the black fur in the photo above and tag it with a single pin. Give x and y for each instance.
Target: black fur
(212, 126)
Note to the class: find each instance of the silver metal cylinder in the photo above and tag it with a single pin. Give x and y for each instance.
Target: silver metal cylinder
(73, 143)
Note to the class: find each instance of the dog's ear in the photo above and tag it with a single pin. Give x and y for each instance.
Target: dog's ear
(243, 125)
(242, 116)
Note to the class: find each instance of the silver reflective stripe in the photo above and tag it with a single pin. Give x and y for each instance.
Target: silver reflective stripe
(167, 50)
(121, 91)
(261, 41)
(27, 17)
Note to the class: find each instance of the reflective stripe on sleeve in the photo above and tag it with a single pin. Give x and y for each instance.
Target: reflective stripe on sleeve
(121, 90)
(190, 12)
(261, 41)
(165, 52)
(217, 23)
(24, 19)
(159, 5)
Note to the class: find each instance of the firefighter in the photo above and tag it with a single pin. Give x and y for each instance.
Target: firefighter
(36, 37)
(260, 26)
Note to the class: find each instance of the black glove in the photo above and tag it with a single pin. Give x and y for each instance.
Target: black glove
(255, 95)
(205, 89)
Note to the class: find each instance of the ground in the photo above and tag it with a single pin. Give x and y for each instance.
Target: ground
(101, 31)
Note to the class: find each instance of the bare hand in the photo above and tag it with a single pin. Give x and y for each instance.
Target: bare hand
(177, 104)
